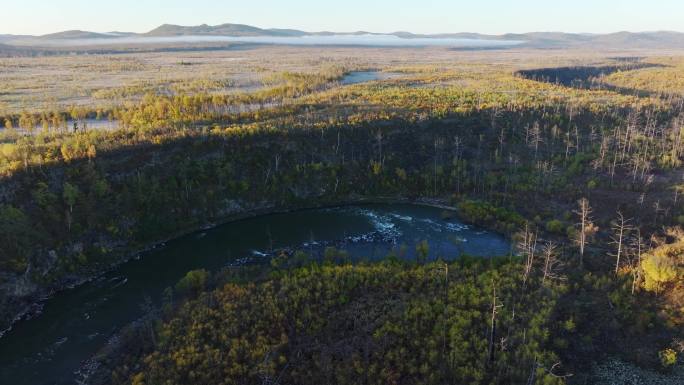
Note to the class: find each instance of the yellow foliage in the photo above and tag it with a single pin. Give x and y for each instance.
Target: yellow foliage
(661, 266)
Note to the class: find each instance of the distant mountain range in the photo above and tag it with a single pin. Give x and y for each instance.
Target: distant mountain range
(618, 40)
(221, 30)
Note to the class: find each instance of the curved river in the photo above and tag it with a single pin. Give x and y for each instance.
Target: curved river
(51, 347)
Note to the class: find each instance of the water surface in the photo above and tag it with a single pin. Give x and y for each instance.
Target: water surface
(367, 76)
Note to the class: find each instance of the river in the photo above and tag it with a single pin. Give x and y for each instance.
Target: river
(74, 324)
(356, 77)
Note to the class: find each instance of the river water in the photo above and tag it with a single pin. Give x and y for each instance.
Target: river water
(367, 76)
(74, 324)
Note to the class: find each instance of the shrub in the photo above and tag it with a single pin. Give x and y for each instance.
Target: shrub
(487, 214)
(668, 357)
(555, 226)
(659, 269)
(194, 282)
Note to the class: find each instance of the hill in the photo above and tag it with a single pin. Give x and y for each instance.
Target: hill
(220, 30)
(661, 39)
(76, 34)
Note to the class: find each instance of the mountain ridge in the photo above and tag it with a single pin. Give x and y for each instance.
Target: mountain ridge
(620, 39)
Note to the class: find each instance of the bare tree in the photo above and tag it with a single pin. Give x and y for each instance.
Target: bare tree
(620, 229)
(551, 261)
(534, 138)
(149, 318)
(492, 333)
(586, 227)
(527, 246)
(379, 138)
(438, 143)
(637, 244)
(532, 379)
(677, 190)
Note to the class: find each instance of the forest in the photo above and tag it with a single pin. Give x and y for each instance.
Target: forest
(381, 323)
(576, 158)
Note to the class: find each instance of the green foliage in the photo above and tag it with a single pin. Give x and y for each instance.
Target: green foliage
(194, 282)
(555, 226)
(668, 357)
(335, 256)
(70, 194)
(569, 325)
(16, 238)
(485, 213)
(422, 251)
(396, 323)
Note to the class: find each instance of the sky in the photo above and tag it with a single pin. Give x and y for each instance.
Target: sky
(36, 17)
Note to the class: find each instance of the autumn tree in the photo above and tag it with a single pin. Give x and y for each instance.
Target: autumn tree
(664, 264)
(659, 269)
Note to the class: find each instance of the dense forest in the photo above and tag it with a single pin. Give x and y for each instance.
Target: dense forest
(586, 179)
(385, 323)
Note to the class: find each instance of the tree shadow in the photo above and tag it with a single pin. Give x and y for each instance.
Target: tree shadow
(590, 77)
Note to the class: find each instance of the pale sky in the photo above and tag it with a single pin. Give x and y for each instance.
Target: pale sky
(420, 16)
